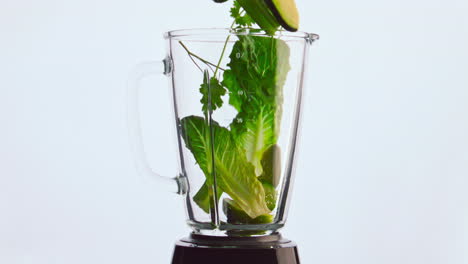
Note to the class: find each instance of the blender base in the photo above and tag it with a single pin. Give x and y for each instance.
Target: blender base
(201, 249)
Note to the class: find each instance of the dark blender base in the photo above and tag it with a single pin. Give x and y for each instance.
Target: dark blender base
(200, 249)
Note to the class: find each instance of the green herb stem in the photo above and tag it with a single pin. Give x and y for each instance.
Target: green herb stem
(222, 55)
(224, 49)
(201, 59)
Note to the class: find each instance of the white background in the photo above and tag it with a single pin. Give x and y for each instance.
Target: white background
(384, 156)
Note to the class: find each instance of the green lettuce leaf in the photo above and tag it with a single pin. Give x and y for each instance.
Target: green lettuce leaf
(234, 174)
(256, 133)
(257, 72)
(271, 164)
(197, 137)
(270, 195)
(204, 197)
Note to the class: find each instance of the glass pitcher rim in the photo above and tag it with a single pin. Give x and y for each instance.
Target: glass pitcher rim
(310, 37)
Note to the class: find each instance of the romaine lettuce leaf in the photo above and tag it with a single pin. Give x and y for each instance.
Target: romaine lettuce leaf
(204, 197)
(234, 175)
(271, 164)
(255, 133)
(257, 72)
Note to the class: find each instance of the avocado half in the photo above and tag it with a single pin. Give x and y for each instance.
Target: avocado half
(285, 12)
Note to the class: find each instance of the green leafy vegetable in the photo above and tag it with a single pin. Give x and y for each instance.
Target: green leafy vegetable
(255, 81)
(204, 196)
(255, 132)
(212, 92)
(197, 137)
(271, 164)
(242, 19)
(270, 195)
(257, 71)
(235, 215)
(234, 175)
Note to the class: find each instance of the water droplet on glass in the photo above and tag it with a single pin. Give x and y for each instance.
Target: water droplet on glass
(239, 120)
(240, 92)
(238, 55)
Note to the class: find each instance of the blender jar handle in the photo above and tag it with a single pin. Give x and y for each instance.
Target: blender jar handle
(173, 184)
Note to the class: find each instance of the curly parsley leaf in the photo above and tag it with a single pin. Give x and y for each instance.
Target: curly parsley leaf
(212, 91)
(241, 18)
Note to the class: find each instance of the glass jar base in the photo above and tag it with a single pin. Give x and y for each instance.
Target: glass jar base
(225, 229)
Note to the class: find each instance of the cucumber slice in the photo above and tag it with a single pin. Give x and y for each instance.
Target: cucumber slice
(271, 164)
(259, 11)
(285, 12)
(270, 195)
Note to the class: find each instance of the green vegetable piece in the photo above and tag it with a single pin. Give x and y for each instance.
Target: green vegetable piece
(271, 164)
(261, 14)
(270, 195)
(256, 133)
(258, 69)
(235, 215)
(212, 91)
(234, 174)
(255, 80)
(204, 197)
(241, 19)
(285, 12)
(197, 137)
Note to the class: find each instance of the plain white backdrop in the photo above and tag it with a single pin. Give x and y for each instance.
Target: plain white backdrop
(383, 165)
